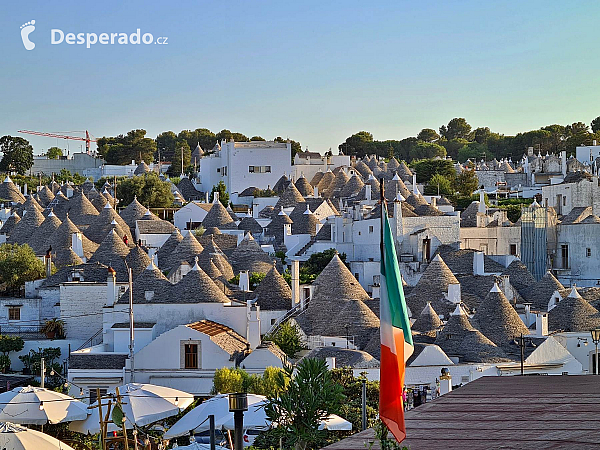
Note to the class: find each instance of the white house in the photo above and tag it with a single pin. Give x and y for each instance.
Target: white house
(243, 164)
(193, 212)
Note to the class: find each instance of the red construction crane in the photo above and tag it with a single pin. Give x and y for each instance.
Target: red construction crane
(87, 137)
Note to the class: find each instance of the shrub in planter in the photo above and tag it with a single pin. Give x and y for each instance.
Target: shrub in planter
(54, 328)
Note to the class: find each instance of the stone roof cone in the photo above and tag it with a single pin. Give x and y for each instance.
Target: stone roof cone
(314, 182)
(303, 186)
(497, 319)
(289, 198)
(363, 169)
(112, 252)
(197, 287)
(186, 250)
(573, 314)
(81, 210)
(28, 224)
(167, 248)
(451, 336)
(218, 217)
(249, 256)
(39, 240)
(281, 184)
(134, 211)
(273, 292)
(352, 187)
(10, 223)
(336, 186)
(325, 181)
(103, 223)
(428, 321)
(539, 294)
(137, 260)
(62, 238)
(9, 191)
(477, 348)
(150, 280)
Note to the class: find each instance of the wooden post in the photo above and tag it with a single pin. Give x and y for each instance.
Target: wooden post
(102, 431)
(123, 423)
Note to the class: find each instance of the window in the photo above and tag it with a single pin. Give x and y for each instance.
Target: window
(14, 313)
(564, 252)
(218, 170)
(356, 276)
(588, 252)
(370, 228)
(564, 201)
(94, 395)
(259, 169)
(513, 249)
(251, 169)
(191, 356)
(225, 171)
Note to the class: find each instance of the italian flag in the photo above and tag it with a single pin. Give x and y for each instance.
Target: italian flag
(396, 338)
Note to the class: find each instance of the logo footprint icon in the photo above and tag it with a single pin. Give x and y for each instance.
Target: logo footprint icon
(26, 30)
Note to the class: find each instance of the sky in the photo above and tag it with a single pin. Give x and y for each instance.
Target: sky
(313, 71)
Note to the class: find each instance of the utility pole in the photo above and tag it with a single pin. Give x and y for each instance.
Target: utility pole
(364, 404)
(42, 372)
(131, 327)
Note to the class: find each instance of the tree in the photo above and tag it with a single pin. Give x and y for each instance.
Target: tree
(352, 389)
(474, 151)
(257, 138)
(123, 149)
(223, 195)
(166, 144)
(439, 185)
(287, 339)
(316, 263)
(296, 147)
(311, 396)
(226, 135)
(18, 154)
(202, 136)
(19, 264)
(482, 134)
(149, 189)
(181, 146)
(466, 183)
(426, 168)
(428, 135)
(229, 379)
(255, 279)
(54, 153)
(595, 125)
(457, 128)
(427, 150)
(65, 175)
(359, 144)
(9, 344)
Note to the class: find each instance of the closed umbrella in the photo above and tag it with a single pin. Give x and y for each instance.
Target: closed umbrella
(142, 404)
(197, 418)
(335, 423)
(39, 406)
(16, 437)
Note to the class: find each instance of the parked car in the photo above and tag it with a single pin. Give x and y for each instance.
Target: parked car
(204, 438)
(250, 436)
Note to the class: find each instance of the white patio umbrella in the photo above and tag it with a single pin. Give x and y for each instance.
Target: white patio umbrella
(197, 418)
(143, 404)
(335, 423)
(39, 406)
(16, 437)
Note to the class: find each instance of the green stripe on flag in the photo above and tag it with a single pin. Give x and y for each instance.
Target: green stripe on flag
(393, 281)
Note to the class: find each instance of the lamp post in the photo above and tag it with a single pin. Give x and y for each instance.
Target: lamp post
(238, 403)
(596, 339)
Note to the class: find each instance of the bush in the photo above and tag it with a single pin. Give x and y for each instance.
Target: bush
(287, 338)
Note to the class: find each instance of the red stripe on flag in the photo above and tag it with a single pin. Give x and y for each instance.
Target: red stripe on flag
(391, 410)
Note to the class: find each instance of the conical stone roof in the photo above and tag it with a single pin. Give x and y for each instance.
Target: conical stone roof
(38, 239)
(539, 294)
(416, 200)
(168, 247)
(316, 179)
(103, 223)
(87, 186)
(325, 181)
(137, 260)
(134, 211)
(81, 210)
(222, 263)
(428, 321)
(303, 186)
(363, 169)
(10, 192)
(141, 169)
(476, 348)
(404, 172)
(10, 223)
(392, 165)
(218, 217)
(519, 276)
(281, 184)
(249, 256)
(45, 195)
(455, 330)
(186, 250)
(62, 238)
(30, 203)
(497, 319)
(112, 252)
(97, 199)
(394, 187)
(289, 198)
(573, 314)
(197, 287)
(250, 224)
(340, 180)
(151, 286)
(26, 227)
(65, 257)
(305, 223)
(218, 278)
(352, 187)
(273, 292)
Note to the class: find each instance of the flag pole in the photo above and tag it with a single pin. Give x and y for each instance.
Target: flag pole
(382, 204)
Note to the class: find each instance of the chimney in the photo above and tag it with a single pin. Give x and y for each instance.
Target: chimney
(330, 361)
(295, 282)
(445, 382)
(253, 324)
(414, 184)
(25, 189)
(563, 162)
(255, 210)
(434, 202)
(48, 261)
(368, 192)
(244, 283)
(481, 207)
(478, 266)
(206, 197)
(541, 324)
(594, 142)
(356, 213)
(529, 317)
(454, 293)
(77, 243)
(111, 287)
(216, 197)
(316, 192)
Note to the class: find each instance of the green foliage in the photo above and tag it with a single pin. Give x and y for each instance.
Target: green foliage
(383, 436)
(229, 380)
(359, 144)
(281, 255)
(54, 153)
(181, 146)
(223, 194)
(65, 175)
(296, 147)
(19, 264)
(17, 154)
(122, 149)
(4, 363)
(33, 361)
(287, 338)
(427, 150)
(54, 326)
(265, 193)
(149, 189)
(426, 168)
(255, 279)
(515, 201)
(463, 202)
(199, 231)
(456, 128)
(466, 183)
(595, 125)
(474, 151)
(11, 344)
(311, 396)
(351, 409)
(257, 138)
(203, 136)
(439, 185)
(428, 135)
(166, 144)
(316, 263)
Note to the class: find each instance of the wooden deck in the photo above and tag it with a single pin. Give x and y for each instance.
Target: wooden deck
(545, 412)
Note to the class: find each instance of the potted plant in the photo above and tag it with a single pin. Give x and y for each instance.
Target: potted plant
(54, 328)
(26, 360)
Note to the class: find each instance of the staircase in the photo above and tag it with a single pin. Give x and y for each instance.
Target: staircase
(300, 252)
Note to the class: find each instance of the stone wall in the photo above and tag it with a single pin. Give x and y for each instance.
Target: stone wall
(81, 307)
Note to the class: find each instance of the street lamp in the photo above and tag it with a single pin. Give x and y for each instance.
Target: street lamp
(596, 339)
(238, 403)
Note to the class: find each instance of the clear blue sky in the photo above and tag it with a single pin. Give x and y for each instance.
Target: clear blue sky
(316, 71)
